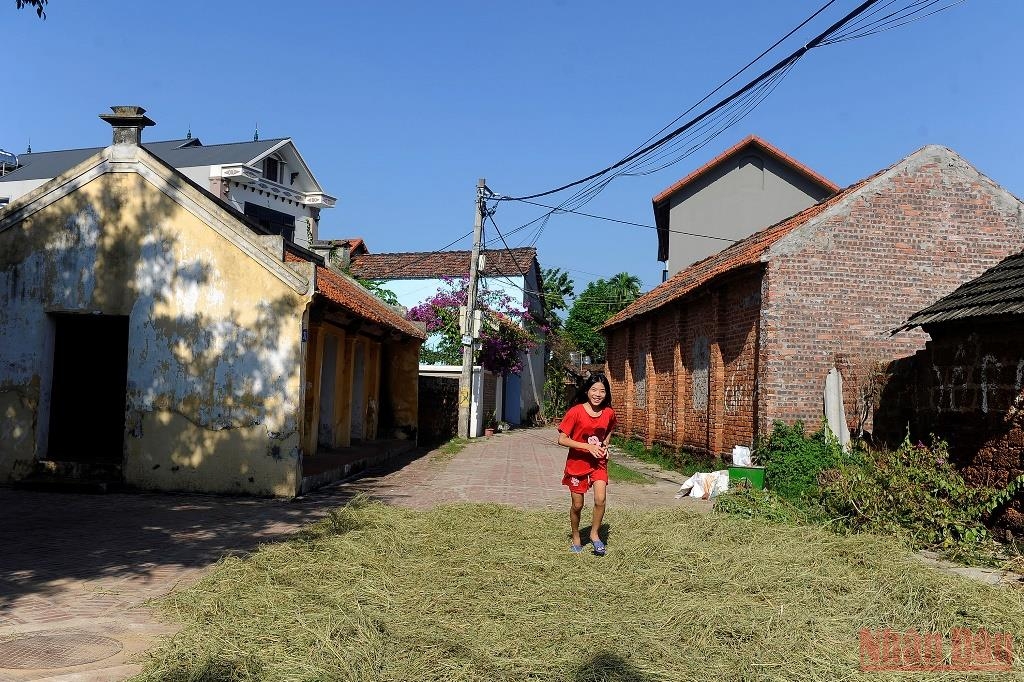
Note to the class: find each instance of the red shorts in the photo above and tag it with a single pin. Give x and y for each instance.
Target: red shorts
(581, 484)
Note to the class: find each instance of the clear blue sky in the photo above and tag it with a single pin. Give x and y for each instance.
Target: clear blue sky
(399, 107)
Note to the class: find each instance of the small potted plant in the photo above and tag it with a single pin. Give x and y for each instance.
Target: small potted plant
(492, 423)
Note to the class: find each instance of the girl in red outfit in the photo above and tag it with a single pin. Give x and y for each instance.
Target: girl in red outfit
(586, 430)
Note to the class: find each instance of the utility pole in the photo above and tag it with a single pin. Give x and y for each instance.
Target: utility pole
(469, 335)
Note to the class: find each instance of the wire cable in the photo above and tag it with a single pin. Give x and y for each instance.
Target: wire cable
(625, 222)
(792, 58)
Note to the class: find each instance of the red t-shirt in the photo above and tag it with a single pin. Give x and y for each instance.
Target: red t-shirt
(579, 426)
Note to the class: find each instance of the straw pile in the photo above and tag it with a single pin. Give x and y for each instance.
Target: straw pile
(483, 592)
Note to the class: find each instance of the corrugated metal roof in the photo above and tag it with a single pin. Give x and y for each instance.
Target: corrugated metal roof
(182, 153)
(999, 291)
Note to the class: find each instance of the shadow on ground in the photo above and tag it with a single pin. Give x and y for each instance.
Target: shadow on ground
(608, 667)
(51, 539)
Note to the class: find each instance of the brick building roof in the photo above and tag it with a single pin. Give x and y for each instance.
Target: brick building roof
(750, 143)
(355, 299)
(427, 265)
(997, 292)
(743, 253)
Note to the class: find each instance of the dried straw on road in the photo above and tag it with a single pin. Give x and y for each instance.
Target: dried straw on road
(483, 592)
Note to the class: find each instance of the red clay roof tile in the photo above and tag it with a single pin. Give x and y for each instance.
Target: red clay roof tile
(427, 265)
(358, 301)
(749, 141)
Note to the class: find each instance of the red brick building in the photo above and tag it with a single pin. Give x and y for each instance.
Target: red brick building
(708, 359)
(967, 385)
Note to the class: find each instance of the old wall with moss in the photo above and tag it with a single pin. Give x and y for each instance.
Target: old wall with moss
(214, 340)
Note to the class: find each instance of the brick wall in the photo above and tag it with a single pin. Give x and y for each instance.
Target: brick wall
(966, 387)
(756, 346)
(699, 368)
(438, 409)
(490, 397)
(835, 289)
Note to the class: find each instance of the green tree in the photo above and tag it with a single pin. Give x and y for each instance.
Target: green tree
(556, 287)
(598, 302)
(38, 4)
(624, 288)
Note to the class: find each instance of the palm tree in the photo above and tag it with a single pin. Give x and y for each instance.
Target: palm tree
(624, 288)
(557, 287)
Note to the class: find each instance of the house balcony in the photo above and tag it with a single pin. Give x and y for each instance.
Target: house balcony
(253, 177)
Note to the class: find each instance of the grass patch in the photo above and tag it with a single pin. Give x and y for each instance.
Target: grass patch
(673, 460)
(486, 592)
(446, 452)
(621, 474)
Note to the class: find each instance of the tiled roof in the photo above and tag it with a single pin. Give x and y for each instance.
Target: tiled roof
(426, 265)
(997, 292)
(742, 145)
(742, 253)
(176, 153)
(355, 244)
(357, 300)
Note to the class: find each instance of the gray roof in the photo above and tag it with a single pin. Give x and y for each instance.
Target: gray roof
(998, 292)
(183, 153)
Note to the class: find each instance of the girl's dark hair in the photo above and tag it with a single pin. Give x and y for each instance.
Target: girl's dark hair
(581, 394)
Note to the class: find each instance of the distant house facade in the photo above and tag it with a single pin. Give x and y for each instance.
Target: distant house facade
(967, 385)
(151, 332)
(414, 277)
(741, 190)
(266, 180)
(708, 359)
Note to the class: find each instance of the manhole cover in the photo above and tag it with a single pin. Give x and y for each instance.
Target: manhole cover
(56, 650)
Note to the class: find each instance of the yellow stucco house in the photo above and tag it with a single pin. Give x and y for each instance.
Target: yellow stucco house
(149, 329)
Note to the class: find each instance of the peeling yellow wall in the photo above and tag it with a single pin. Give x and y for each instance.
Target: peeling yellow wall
(214, 337)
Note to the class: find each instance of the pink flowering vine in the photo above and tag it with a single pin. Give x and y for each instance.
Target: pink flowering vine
(509, 329)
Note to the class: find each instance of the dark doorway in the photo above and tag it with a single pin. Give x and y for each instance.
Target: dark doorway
(90, 367)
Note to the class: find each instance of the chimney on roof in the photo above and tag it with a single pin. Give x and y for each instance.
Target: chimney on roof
(128, 122)
(346, 254)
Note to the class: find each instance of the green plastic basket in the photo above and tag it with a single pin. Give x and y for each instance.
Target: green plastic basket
(753, 474)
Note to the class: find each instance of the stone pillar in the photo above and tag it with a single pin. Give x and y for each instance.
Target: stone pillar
(128, 122)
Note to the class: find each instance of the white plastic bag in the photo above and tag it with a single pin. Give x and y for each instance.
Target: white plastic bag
(705, 485)
(741, 456)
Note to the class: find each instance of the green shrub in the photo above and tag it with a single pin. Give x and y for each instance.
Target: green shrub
(667, 458)
(793, 461)
(749, 502)
(912, 492)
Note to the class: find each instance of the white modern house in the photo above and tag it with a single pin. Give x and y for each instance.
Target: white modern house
(267, 180)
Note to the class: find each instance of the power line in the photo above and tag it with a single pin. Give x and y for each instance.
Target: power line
(744, 68)
(555, 209)
(785, 62)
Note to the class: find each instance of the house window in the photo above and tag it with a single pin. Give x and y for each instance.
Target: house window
(273, 169)
(275, 222)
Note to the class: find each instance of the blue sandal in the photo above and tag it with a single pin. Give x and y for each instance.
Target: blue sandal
(599, 548)
(575, 549)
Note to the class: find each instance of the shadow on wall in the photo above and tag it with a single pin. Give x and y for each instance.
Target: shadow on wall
(210, 368)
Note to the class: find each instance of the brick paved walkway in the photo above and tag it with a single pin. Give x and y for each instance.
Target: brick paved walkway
(88, 563)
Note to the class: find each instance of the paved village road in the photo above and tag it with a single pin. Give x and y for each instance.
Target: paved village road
(83, 566)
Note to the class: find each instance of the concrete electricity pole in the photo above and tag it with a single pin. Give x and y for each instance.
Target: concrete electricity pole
(469, 328)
